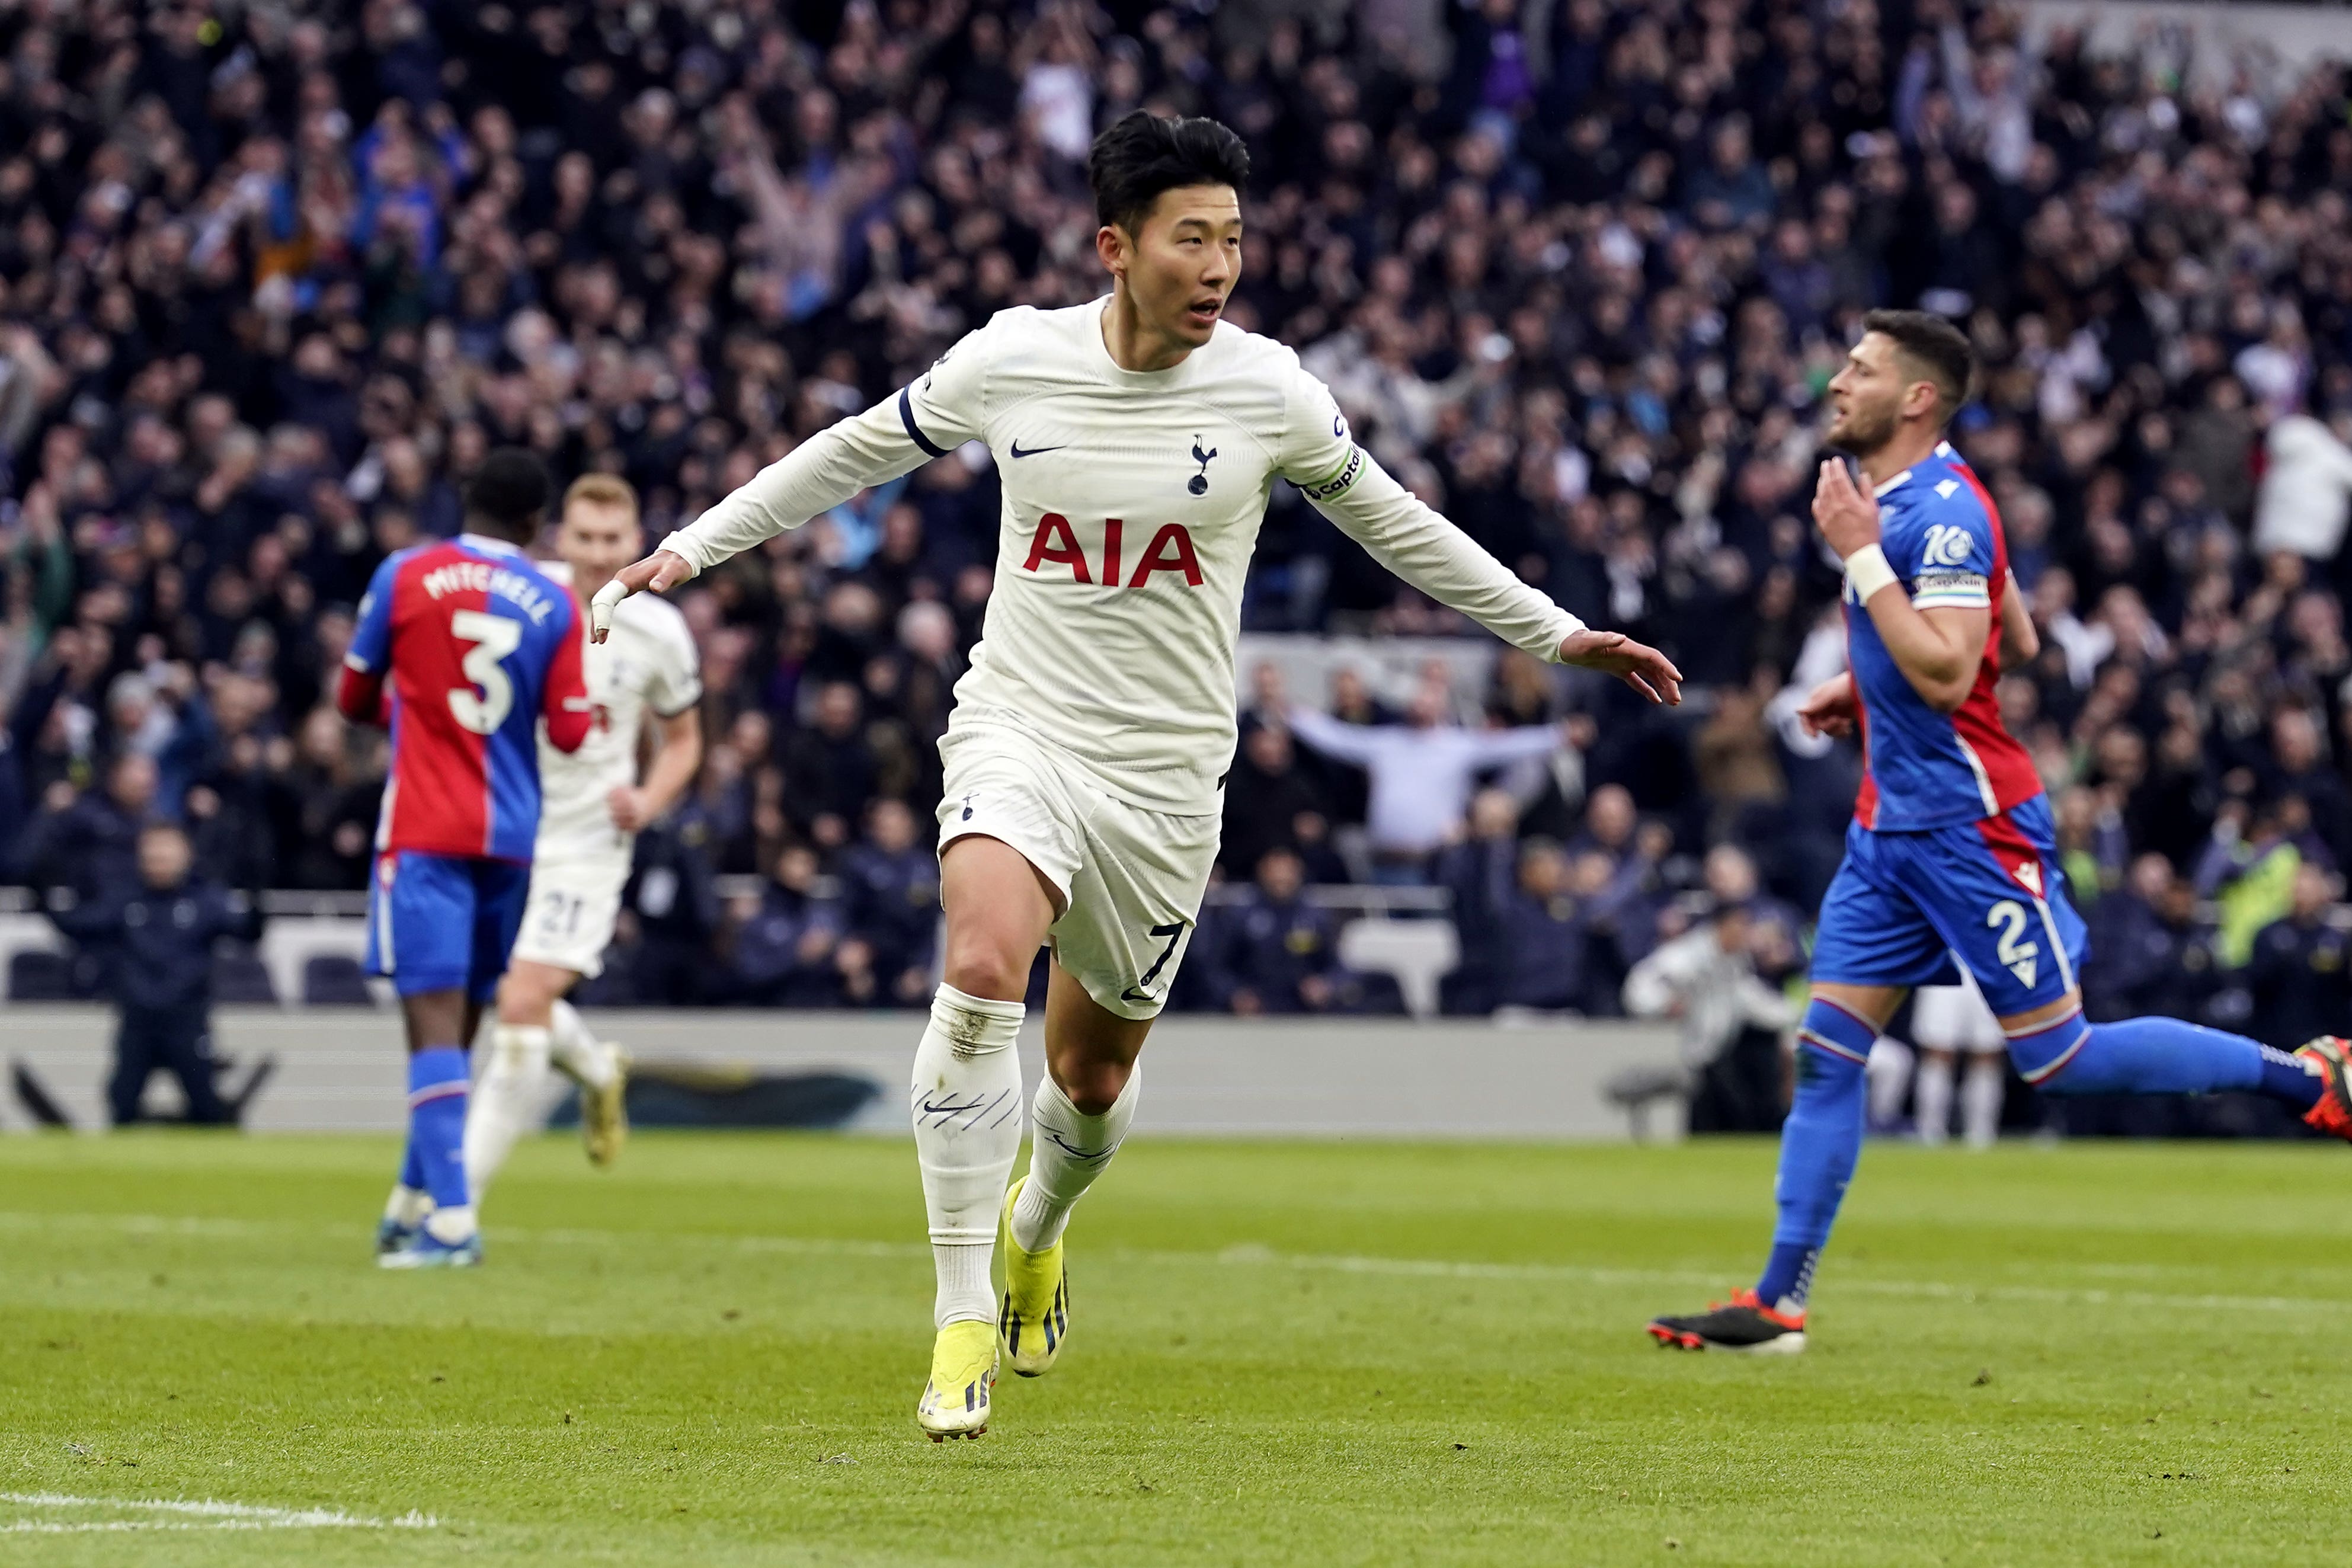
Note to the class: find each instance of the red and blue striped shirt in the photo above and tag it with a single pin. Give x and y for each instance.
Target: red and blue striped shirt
(462, 648)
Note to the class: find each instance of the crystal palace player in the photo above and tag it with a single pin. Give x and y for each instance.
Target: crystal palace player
(462, 647)
(1952, 852)
(1137, 438)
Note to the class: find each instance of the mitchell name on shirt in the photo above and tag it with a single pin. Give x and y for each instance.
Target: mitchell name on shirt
(501, 582)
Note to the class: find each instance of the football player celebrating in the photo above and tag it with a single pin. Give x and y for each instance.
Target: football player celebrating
(594, 805)
(1137, 438)
(1952, 852)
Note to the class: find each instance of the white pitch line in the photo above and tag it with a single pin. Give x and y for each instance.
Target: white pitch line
(220, 1515)
(1248, 1255)
(117, 1526)
(1447, 1269)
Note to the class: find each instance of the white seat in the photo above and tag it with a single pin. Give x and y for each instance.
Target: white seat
(1416, 951)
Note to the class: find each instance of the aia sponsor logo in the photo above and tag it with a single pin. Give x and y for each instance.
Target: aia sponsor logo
(1170, 551)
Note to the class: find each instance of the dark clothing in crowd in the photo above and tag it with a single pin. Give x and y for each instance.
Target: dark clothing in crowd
(156, 951)
(91, 847)
(785, 953)
(1480, 877)
(894, 904)
(1546, 941)
(670, 921)
(2300, 983)
(156, 944)
(1274, 955)
(2144, 965)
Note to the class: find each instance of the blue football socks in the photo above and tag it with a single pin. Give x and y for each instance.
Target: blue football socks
(2157, 1056)
(436, 1126)
(1821, 1139)
(1820, 1142)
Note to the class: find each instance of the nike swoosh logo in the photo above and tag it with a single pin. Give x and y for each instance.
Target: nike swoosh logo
(1132, 995)
(1034, 450)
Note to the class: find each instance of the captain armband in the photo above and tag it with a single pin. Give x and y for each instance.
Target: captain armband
(1348, 475)
(1952, 589)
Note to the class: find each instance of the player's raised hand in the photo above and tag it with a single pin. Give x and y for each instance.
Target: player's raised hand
(1639, 665)
(657, 573)
(1846, 514)
(1829, 708)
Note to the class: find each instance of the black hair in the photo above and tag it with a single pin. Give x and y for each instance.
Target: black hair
(1141, 155)
(1935, 346)
(507, 495)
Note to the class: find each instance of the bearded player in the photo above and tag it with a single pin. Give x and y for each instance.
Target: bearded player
(1137, 438)
(1952, 851)
(593, 805)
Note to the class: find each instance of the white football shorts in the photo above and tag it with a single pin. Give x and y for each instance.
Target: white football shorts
(575, 896)
(1130, 880)
(1955, 1018)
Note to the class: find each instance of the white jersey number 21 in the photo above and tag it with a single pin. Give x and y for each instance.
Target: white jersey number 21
(493, 638)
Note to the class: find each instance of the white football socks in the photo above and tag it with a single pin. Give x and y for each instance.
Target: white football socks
(1932, 1110)
(408, 1205)
(508, 1098)
(966, 1103)
(1067, 1150)
(576, 1051)
(1981, 1094)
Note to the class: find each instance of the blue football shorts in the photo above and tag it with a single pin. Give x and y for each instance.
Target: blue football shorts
(444, 922)
(1904, 906)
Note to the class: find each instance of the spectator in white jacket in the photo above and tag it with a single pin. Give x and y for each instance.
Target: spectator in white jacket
(2306, 492)
(1705, 980)
(1732, 1022)
(1422, 772)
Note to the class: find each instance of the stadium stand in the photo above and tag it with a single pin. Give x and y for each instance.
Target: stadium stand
(272, 276)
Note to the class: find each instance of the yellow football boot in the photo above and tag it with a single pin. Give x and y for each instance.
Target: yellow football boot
(604, 1112)
(963, 1369)
(1035, 1318)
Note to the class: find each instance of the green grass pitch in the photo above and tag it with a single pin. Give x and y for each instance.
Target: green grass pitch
(1325, 1354)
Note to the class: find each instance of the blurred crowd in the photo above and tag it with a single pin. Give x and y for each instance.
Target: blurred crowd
(273, 274)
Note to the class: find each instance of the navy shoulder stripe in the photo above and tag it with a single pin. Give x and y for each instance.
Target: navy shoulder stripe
(914, 431)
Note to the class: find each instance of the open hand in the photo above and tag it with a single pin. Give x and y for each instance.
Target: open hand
(1639, 665)
(1846, 514)
(661, 572)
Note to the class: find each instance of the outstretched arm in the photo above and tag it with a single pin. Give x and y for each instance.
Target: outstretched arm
(896, 436)
(1437, 557)
(1492, 748)
(1938, 649)
(1356, 743)
(1347, 486)
(813, 478)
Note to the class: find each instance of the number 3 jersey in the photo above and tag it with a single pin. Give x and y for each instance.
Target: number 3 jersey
(1924, 769)
(463, 645)
(1132, 502)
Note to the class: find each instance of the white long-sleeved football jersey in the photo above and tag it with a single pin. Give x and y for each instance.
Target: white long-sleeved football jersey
(647, 664)
(1132, 502)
